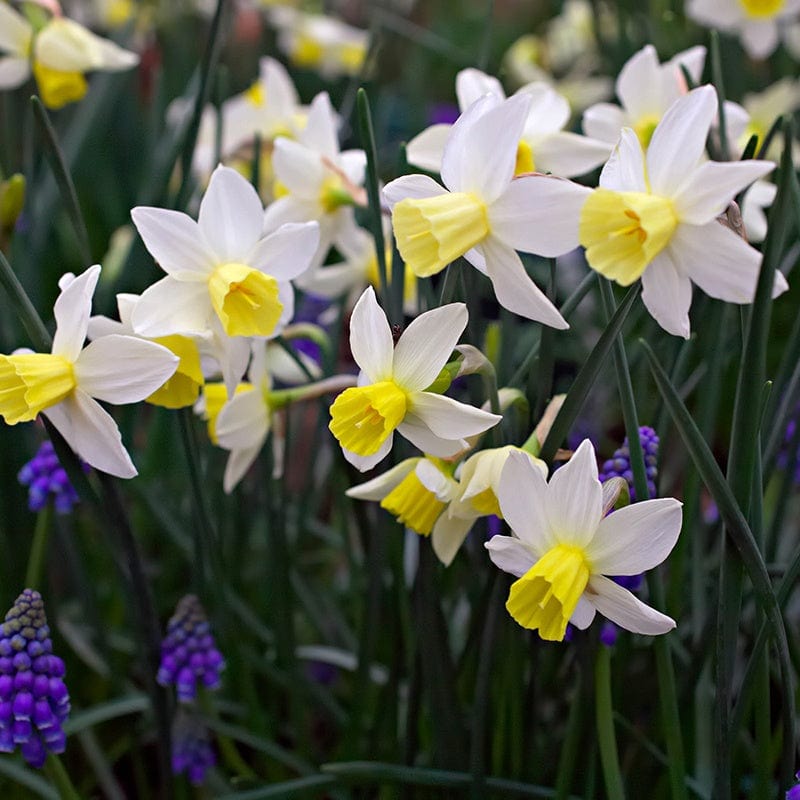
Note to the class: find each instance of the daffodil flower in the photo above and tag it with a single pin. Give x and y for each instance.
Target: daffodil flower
(221, 266)
(564, 545)
(482, 212)
(756, 21)
(543, 146)
(62, 384)
(391, 393)
(655, 217)
(59, 55)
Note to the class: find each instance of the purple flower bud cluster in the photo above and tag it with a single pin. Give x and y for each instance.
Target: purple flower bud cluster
(191, 749)
(619, 465)
(784, 454)
(45, 478)
(188, 652)
(34, 702)
(794, 792)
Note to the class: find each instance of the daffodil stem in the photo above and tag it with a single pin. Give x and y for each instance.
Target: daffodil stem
(64, 180)
(36, 559)
(41, 339)
(60, 778)
(609, 758)
(719, 85)
(666, 673)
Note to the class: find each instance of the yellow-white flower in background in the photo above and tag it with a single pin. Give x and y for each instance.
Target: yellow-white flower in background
(482, 212)
(62, 384)
(543, 146)
(222, 272)
(183, 387)
(654, 216)
(59, 54)
(757, 22)
(391, 393)
(563, 547)
(314, 180)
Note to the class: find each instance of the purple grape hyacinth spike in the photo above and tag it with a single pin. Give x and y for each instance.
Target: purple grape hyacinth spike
(619, 465)
(191, 749)
(188, 653)
(34, 701)
(45, 478)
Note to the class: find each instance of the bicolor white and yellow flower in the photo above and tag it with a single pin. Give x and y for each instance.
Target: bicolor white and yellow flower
(223, 274)
(757, 22)
(182, 388)
(58, 55)
(654, 217)
(64, 383)
(544, 145)
(482, 212)
(563, 547)
(391, 393)
(314, 180)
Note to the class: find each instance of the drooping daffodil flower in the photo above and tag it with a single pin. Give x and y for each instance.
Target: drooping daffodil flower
(391, 393)
(564, 544)
(64, 383)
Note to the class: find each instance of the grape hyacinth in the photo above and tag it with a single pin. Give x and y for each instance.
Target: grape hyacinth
(34, 702)
(191, 749)
(619, 465)
(188, 652)
(45, 478)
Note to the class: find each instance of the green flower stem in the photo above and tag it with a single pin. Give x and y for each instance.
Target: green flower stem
(716, 73)
(41, 339)
(64, 180)
(615, 787)
(570, 755)
(58, 775)
(666, 672)
(38, 554)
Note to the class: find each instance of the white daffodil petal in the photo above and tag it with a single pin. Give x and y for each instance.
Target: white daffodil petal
(320, 132)
(379, 487)
(634, 86)
(371, 340)
(679, 140)
(425, 149)
(298, 168)
(235, 353)
(417, 187)
(364, 463)
(514, 288)
(239, 462)
(243, 421)
(522, 494)
(15, 32)
(575, 497)
(568, 154)
(435, 481)
(759, 37)
(583, 615)
(64, 45)
(416, 430)
(627, 611)
(231, 215)
(71, 311)
(482, 158)
(603, 121)
(625, 171)
(13, 72)
(288, 251)
(513, 216)
(426, 344)
(448, 418)
(667, 293)
(174, 240)
(635, 538)
(353, 163)
(92, 434)
(447, 537)
(123, 369)
(548, 114)
(170, 306)
(471, 84)
(713, 185)
(510, 555)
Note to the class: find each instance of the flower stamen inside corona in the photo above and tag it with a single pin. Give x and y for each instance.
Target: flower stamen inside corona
(431, 232)
(624, 231)
(546, 596)
(362, 417)
(762, 9)
(245, 299)
(413, 504)
(32, 382)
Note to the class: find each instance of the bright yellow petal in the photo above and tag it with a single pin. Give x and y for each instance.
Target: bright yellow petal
(245, 299)
(413, 504)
